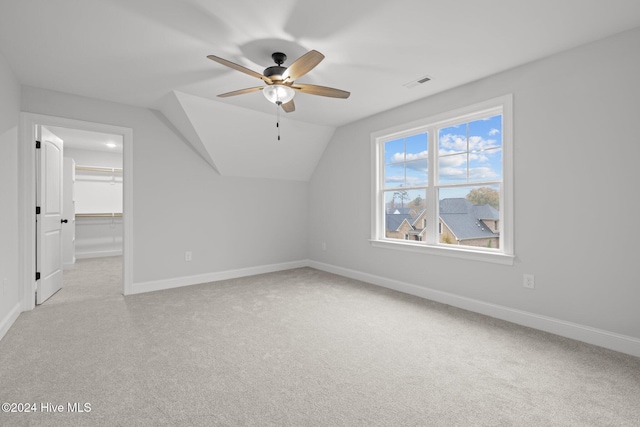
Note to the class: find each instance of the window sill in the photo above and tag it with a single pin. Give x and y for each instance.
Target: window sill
(453, 252)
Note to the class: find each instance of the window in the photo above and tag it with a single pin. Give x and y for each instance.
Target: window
(446, 181)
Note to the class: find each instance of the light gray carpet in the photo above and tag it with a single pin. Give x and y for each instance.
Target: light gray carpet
(300, 348)
(91, 279)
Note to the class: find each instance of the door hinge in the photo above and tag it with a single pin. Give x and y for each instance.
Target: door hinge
(37, 144)
(37, 275)
(37, 210)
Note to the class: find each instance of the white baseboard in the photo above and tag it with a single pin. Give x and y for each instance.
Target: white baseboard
(599, 337)
(157, 285)
(9, 319)
(98, 254)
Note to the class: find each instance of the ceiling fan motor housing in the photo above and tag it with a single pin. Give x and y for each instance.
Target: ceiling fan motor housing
(276, 70)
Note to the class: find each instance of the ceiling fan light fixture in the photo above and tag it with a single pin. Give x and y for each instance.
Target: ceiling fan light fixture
(278, 79)
(278, 94)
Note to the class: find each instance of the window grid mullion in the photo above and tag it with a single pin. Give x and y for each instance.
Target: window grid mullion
(468, 156)
(404, 143)
(432, 199)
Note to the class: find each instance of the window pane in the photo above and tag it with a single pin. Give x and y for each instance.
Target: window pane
(486, 165)
(394, 175)
(416, 173)
(405, 214)
(485, 133)
(470, 216)
(452, 139)
(416, 147)
(394, 151)
(452, 168)
(482, 140)
(406, 161)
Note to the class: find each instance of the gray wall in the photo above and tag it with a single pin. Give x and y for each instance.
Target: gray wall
(181, 203)
(576, 205)
(576, 191)
(9, 119)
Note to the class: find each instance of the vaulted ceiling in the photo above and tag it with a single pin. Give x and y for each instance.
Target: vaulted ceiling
(152, 54)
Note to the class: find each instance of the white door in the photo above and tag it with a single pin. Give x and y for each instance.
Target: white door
(49, 225)
(69, 214)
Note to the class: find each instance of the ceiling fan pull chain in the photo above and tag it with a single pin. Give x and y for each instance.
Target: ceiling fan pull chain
(278, 117)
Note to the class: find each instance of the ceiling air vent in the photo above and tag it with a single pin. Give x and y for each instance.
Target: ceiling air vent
(417, 82)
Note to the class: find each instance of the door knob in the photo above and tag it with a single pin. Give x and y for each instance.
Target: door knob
(64, 221)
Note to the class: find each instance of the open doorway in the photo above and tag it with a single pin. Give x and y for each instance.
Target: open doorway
(92, 212)
(89, 244)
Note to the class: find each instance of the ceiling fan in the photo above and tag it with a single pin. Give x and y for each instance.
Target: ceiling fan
(280, 81)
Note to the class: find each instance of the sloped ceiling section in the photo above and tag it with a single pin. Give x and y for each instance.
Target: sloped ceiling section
(173, 111)
(240, 142)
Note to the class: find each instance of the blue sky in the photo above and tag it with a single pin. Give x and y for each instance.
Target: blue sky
(469, 152)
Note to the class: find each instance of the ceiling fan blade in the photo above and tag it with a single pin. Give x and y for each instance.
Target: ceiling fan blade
(239, 68)
(289, 107)
(240, 92)
(303, 65)
(321, 91)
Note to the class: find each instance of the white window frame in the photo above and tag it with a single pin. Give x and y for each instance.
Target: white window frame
(501, 105)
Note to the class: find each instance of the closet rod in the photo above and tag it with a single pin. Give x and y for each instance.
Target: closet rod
(98, 215)
(97, 169)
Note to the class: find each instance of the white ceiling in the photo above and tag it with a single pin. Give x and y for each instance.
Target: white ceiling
(139, 52)
(88, 140)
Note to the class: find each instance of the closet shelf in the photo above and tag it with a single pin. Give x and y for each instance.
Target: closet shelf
(98, 169)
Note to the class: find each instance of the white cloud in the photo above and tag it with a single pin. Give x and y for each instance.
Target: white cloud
(478, 162)
(397, 179)
(399, 157)
(450, 143)
(482, 173)
(460, 174)
(479, 143)
(480, 157)
(415, 181)
(452, 161)
(417, 156)
(452, 173)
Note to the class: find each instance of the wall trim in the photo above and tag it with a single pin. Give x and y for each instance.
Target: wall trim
(177, 282)
(98, 254)
(613, 341)
(27, 198)
(10, 318)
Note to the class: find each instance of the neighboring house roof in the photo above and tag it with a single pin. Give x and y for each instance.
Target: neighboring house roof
(464, 218)
(418, 218)
(403, 211)
(395, 220)
(486, 212)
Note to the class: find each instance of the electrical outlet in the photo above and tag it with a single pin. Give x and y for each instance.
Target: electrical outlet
(324, 246)
(528, 281)
(188, 256)
(5, 286)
